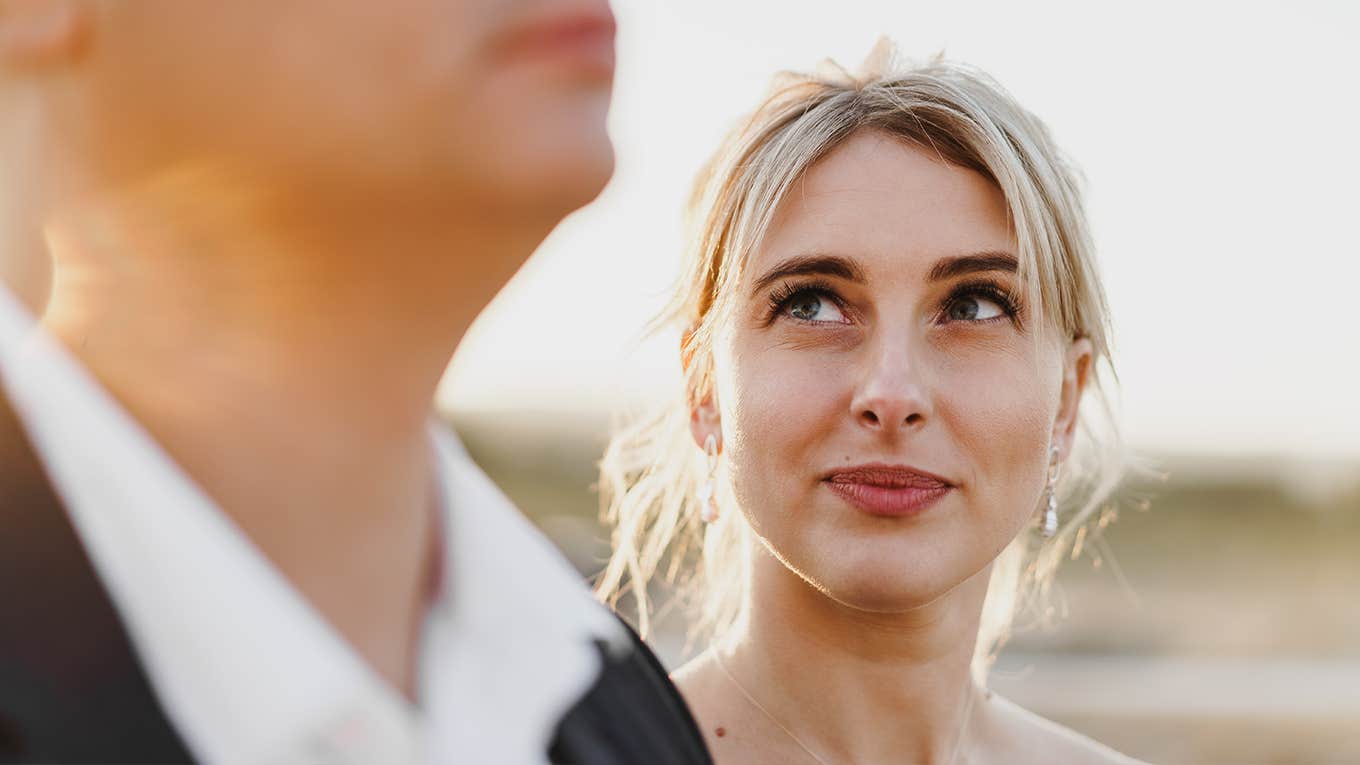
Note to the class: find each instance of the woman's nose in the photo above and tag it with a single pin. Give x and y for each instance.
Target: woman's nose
(892, 394)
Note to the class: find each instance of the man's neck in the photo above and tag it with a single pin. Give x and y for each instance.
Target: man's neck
(289, 369)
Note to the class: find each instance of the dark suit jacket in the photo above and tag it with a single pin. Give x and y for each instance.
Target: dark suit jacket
(72, 690)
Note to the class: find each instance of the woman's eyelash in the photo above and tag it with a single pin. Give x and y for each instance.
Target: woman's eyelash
(785, 294)
(1007, 300)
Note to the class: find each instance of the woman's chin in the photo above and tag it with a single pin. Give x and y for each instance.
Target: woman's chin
(878, 589)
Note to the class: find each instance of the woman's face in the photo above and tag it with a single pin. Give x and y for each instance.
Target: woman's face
(886, 413)
(503, 101)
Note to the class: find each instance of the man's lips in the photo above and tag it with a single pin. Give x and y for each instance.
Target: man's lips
(888, 490)
(583, 35)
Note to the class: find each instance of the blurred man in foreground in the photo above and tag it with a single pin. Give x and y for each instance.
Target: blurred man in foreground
(231, 532)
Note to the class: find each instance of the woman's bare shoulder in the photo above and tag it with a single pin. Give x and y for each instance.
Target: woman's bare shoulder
(1031, 733)
(726, 726)
(699, 681)
(733, 732)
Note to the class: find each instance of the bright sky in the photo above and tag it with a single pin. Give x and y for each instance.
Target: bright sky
(1219, 141)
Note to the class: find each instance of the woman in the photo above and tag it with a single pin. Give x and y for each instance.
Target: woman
(892, 315)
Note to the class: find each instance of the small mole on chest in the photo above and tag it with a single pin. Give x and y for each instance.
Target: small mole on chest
(720, 732)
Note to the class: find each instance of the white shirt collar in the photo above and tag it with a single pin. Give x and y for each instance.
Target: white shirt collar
(247, 670)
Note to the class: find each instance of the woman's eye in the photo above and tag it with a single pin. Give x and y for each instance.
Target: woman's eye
(973, 308)
(812, 306)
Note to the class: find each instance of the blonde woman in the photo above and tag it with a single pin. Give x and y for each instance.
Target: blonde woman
(893, 316)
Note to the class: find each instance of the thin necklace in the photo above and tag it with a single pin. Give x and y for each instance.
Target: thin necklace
(958, 739)
(717, 656)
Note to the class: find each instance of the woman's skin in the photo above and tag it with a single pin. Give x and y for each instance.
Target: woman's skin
(904, 340)
(271, 224)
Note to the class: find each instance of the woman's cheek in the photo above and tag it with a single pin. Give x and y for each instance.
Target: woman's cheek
(777, 406)
(1002, 420)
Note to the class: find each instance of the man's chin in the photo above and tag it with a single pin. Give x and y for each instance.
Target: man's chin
(557, 186)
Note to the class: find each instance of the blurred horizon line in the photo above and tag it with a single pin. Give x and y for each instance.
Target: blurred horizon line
(552, 434)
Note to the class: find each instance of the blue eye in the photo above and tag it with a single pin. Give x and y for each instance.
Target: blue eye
(812, 305)
(980, 302)
(974, 308)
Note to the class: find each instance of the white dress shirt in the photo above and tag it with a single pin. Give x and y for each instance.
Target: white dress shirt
(246, 669)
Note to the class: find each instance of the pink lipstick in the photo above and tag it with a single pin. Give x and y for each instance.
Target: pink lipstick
(888, 490)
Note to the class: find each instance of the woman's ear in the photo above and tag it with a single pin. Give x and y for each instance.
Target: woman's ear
(705, 421)
(36, 34)
(1076, 374)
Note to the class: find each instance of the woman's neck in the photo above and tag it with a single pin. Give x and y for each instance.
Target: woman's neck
(858, 687)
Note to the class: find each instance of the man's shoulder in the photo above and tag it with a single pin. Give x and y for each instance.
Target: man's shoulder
(633, 713)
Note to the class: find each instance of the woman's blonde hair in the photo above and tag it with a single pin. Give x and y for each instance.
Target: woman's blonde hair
(651, 470)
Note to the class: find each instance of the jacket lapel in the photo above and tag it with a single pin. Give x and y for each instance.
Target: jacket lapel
(633, 714)
(73, 691)
(71, 688)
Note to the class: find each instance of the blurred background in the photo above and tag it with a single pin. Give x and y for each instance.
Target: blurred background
(1218, 619)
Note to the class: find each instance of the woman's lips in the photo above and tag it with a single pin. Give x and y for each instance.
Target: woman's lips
(888, 490)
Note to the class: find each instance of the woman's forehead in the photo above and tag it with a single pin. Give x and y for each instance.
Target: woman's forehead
(890, 205)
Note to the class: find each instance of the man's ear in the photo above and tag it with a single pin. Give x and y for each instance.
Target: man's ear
(37, 34)
(1076, 374)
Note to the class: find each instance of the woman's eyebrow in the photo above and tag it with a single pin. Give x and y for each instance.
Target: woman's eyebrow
(991, 260)
(803, 265)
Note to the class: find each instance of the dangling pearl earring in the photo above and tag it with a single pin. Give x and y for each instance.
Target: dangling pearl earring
(708, 509)
(1050, 525)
